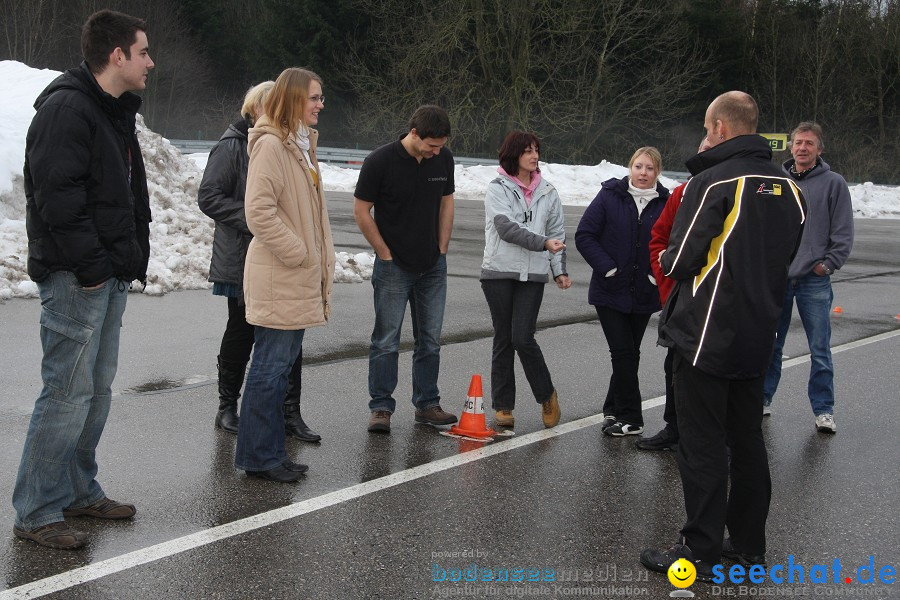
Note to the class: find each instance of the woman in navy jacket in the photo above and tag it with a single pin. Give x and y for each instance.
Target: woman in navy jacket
(613, 237)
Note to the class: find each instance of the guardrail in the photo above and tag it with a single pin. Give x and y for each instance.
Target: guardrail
(347, 157)
(353, 158)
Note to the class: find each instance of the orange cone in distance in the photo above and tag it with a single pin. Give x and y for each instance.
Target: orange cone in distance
(838, 310)
(471, 421)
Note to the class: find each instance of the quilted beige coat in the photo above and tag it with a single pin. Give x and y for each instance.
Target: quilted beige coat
(289, 271)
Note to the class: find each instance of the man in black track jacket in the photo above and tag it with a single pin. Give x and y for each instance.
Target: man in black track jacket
(732, 241)
(87, 217)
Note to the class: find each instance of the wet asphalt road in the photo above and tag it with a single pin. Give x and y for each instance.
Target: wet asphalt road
(382, 516)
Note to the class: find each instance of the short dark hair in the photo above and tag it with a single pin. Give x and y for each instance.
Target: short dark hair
(430, 121)
(513, 147)
(103, 32)
(813, 128)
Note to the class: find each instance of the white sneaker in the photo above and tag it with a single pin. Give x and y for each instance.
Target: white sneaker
(825, 423)
(767, 410)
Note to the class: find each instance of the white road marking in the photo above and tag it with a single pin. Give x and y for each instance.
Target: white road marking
(87, 573)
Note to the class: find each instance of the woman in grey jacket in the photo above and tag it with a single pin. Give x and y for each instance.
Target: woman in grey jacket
(524, 246)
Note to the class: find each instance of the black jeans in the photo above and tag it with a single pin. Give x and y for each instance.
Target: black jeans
(237, 342)
(514, 309)
(670, 413)
(713, 414)
(624, 332)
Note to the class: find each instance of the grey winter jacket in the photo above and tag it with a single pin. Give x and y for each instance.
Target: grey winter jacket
(221, 197)
(828, 233)
(515, 234)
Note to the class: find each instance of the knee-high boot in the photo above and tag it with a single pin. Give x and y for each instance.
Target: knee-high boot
(293, 422)
(231, 378)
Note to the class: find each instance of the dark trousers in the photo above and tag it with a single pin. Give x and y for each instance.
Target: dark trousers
(624, 332)
(713, 415)
(670, 414)
(514, 309)
(237, 343)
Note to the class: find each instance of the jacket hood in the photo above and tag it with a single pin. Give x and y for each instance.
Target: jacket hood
(821, 167)
(237, 130)
(265, 127)
(742, 146)
(82, 80)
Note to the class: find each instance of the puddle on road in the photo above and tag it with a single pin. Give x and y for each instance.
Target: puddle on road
(164, 384)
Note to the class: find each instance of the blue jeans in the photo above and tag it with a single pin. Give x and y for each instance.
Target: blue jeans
(426, 294)
(260, 443)
(80, 339)
(814, 297)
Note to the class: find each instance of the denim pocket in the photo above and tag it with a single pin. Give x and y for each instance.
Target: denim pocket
(63, 340)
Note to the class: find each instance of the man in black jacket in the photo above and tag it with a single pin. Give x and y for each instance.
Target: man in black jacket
(87, 217)
(732, 240)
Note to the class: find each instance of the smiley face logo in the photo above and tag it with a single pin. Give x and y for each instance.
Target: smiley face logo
(682, 573)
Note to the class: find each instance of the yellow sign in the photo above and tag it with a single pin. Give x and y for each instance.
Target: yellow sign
(777, 141)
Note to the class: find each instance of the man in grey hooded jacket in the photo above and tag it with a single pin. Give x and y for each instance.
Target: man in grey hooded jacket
(825, 246)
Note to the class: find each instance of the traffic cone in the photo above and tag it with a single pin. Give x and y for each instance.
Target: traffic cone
(471, 421)
(838, 310)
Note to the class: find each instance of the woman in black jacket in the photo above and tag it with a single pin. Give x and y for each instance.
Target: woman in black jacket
(614, 238)
(221, 197)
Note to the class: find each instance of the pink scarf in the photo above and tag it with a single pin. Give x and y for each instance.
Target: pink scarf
(527, 190)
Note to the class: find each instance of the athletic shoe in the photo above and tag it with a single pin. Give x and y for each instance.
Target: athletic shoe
(623, 429)
(825, 423)
(608, 421)
(767, 410)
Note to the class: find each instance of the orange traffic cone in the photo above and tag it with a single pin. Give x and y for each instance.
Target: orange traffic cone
(838, 310)
(471, 421)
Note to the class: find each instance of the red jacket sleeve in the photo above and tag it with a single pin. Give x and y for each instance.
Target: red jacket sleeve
(659, 240)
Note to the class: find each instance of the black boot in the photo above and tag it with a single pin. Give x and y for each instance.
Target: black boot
(293, 422)
(231, 378)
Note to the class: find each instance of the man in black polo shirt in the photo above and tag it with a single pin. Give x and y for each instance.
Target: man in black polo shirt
(410, 184)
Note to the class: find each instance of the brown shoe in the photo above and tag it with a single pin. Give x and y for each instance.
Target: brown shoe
(434, 415)
(550, 410)
(103, 509)
(380, 421)
(504, 418)
(55, 535)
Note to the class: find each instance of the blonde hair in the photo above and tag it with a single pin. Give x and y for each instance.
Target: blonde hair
(653, 153)
(256, 98)
(285, 104)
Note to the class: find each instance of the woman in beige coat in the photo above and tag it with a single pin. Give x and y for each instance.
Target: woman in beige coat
(289, 270)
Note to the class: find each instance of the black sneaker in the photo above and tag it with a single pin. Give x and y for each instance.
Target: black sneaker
(743, 558)
(623, 429)
(664, 440)
(661, 560)
(608, 421)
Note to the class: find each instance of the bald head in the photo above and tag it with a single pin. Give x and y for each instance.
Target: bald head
(730, 115)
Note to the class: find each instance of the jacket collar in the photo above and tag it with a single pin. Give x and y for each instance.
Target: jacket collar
(742, 146)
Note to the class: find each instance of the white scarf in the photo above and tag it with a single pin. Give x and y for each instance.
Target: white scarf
(641, 197)
(301, 136)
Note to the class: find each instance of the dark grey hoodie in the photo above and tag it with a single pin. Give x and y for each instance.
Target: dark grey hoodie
(828, 233)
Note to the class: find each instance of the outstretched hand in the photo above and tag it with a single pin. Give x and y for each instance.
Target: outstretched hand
(554, 246)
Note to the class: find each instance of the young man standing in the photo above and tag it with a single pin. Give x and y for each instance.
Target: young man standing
(825, 246)
(410, 185)
(87, 216)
